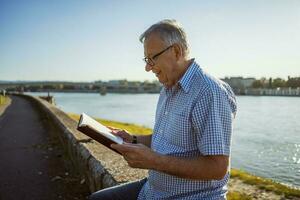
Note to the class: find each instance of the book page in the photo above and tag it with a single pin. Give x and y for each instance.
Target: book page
(88, 121)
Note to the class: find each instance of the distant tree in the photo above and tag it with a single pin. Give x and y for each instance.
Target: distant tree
(33, 88)
(257, 84)
(96, 87)
(264, 82)
(270, 83)
(48, 87)
(278, 82)
(69, 87)
(293, 82)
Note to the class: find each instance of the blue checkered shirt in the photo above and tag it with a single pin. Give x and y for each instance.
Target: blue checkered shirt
(193, 118)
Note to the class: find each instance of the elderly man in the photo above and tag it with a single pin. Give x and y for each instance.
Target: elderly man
(188, 153)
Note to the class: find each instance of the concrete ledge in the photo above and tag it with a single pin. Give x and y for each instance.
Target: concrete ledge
(100, 166)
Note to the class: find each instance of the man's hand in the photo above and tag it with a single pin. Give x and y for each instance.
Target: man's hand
(121, 133)
(137, 155)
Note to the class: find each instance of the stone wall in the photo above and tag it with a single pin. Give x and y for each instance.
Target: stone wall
(100, 166)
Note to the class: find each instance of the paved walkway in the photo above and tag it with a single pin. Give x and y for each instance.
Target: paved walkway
(32, 163)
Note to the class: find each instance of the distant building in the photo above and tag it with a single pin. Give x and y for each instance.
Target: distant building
(239, 84)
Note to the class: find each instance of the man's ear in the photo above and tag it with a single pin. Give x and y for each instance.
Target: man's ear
(178, 51)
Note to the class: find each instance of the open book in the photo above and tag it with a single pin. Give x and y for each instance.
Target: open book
(97, 131)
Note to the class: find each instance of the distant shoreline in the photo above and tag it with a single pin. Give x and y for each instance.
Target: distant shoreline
(95, 92)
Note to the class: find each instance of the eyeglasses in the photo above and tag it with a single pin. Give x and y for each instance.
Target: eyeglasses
(150, 60)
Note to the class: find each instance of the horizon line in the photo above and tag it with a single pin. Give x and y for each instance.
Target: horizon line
(90, 81)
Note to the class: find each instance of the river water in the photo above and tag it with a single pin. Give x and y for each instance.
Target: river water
(266, 138)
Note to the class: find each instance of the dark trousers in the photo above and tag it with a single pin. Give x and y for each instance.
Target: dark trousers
(126, 191)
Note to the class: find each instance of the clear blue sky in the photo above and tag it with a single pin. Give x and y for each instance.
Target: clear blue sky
(89, 40)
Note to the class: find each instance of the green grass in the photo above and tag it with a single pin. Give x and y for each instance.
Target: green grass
(265, 184)
(237, 196)
(3, 99)
(131, 128)
(261, 183)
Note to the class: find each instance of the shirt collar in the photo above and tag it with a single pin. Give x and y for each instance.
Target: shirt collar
(186, 79)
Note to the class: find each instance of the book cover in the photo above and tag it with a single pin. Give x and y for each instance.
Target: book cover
(97, 131)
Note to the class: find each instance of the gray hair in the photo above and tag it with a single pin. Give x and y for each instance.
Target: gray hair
(171, 32)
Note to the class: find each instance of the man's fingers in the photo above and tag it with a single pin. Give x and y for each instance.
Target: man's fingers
(121, 133)
(113, 128)
(109, 127)
(116, 132)
(123, 148)
(119, 147)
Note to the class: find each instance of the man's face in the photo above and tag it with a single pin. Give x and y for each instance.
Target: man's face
(165, 64)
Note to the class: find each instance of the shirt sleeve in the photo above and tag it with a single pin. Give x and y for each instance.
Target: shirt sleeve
(212, 123)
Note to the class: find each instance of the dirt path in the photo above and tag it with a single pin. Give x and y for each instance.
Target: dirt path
(32, 162)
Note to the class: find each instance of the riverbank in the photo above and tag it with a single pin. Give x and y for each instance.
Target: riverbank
(242, 185)
(285, 92)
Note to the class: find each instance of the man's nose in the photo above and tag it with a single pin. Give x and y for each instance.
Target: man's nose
(148, 67)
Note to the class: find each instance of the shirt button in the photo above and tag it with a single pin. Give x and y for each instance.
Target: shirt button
(166, 112)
